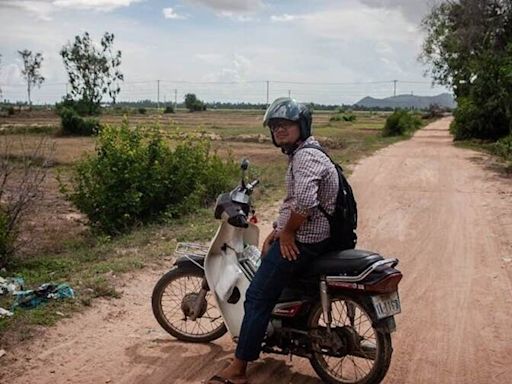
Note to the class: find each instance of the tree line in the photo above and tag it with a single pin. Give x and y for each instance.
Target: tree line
(469, 49)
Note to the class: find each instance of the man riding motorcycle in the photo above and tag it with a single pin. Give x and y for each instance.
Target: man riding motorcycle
(302, 232)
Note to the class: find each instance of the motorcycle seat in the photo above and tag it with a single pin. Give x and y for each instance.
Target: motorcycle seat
(350, 262)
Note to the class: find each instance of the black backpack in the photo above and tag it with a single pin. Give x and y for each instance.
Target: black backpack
(343, 221)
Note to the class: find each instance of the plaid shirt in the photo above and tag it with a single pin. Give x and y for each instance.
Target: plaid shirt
(311, 180)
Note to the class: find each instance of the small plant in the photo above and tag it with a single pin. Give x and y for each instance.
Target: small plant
(400, 122)
(21, 177)
(142, 110)
(169, 109)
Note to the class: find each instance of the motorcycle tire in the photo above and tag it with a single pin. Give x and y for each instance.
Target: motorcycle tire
(190, 331)
(381, 343)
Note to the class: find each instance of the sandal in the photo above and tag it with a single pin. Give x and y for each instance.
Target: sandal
(222, 380)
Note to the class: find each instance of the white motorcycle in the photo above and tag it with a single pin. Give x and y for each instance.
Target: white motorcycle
(339, 314)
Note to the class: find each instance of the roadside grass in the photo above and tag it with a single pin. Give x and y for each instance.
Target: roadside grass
(499, 163)
(93, 265)
(94, 268)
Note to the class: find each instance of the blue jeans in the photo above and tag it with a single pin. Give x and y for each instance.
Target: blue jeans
(273, 275)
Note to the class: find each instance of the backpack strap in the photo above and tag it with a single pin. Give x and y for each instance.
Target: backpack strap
(314, 146)
(340, 181)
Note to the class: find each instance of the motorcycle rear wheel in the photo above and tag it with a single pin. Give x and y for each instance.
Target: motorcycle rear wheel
(350, 368)
(173, 293)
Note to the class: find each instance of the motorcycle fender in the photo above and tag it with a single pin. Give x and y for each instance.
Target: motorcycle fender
(386, 325)
(191, 261)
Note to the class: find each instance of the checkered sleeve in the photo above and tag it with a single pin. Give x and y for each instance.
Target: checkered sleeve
(308, 170)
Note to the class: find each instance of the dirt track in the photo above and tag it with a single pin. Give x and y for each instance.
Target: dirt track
(439, 209)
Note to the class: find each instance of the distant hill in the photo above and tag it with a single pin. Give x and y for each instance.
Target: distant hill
(408, 101)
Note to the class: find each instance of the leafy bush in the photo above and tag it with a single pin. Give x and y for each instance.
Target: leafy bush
(169, 109)
(136, 178)
(345, 117)
(81, 107)
(193, 104)
(142, 111)
(400, 122)
(503, 147)
(74, 124)
(485, 120)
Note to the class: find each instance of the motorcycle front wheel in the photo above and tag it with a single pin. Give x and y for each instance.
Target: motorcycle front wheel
(366, 352)
(175, 295)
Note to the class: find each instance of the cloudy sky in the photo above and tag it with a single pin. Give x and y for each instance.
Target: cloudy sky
(318, 50)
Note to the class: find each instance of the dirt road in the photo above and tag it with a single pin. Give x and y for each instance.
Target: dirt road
(439, 209)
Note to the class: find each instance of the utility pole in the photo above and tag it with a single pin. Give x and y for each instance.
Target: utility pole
(289, 93)
(267, 92)
(394, 88)
(66, 88)
(158, 94)
(175, 99)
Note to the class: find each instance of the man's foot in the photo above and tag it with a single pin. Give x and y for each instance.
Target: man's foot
(234, 373)
(222, 380)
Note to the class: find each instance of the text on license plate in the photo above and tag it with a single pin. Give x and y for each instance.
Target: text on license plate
(386, 305)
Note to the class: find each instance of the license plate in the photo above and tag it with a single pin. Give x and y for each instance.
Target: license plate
(386, 305)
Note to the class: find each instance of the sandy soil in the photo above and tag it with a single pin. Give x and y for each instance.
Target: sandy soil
(441, 210)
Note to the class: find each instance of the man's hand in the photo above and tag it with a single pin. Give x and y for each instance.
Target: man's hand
(268, 242)
(289, 249)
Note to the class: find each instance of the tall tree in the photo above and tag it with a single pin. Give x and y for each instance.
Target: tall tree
(468, 46)
(31, 70)
(93, 72)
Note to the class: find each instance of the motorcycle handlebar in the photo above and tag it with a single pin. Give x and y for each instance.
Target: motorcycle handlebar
(250, 186)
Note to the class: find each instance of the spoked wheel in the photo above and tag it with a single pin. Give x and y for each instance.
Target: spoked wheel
(359, 353)
(176, 296)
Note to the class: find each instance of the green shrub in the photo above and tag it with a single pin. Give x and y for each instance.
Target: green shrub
(345, 117)
(81, 107)
(169, 109)
(142, 111)
(503, 147)
(193, 104)
(135, 178)
(10, 110)
(74, 124)
(482, 121)
(400, 122)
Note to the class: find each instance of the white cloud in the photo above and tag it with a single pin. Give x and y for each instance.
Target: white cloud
(41, 9)
(284, 18)
(413, 10)
(238, 69)
(234, 6)
(97, 5)
(44, 9)
(170, 13)
(210, 58)
(361, 23)
(236, 16)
